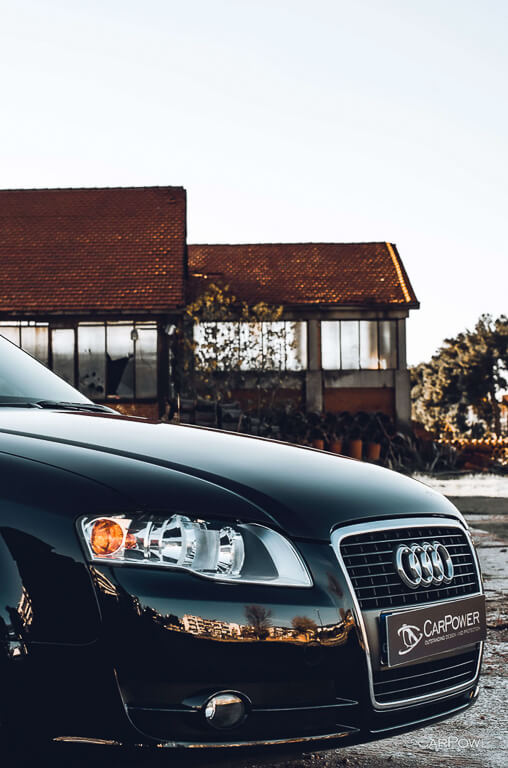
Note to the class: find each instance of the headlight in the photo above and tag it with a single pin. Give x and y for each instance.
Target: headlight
(243, 552)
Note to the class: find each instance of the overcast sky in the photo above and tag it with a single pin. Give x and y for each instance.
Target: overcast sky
(286, 121)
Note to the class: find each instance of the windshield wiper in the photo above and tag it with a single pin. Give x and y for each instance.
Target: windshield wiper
(4, 404)
(62, 405)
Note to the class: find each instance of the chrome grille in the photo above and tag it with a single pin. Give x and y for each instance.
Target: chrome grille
(423, 679)
(369, 560)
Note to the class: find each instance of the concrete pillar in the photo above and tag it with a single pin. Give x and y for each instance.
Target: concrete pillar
(401, 337)
(402, 399)
(313, 391)
(314, 374)
(402, 384)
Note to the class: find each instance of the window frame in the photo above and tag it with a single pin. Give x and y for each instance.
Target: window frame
(237, 334)
(378, 321)
(74, 327)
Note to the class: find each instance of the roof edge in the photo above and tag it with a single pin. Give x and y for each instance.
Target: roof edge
(306, 242)
(90, 189)
(402, 274)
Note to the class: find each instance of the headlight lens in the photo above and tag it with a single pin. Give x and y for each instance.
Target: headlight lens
(244, 552)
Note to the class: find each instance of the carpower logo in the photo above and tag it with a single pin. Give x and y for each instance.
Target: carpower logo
(417, 633)
(411, 636)
(451, 622)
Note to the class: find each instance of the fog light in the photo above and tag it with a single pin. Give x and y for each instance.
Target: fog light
(224, 710)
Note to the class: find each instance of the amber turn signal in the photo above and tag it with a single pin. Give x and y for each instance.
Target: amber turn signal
(106, 537)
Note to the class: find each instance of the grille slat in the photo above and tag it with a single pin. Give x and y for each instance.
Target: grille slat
(379, 552)
(375, 580)
(443, 683)
(430, 677)
(414, 675)
(379, 542)
(422, 596)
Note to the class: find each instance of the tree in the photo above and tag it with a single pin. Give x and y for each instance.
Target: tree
(259, 618)
(459, 391)
(303, 625)
(228, 342)
(211, 364)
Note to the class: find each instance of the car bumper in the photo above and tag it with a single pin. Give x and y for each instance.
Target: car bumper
(170, 640)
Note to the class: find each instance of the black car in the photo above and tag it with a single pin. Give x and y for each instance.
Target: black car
(182, 587)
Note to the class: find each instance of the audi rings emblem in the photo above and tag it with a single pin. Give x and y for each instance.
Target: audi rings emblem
(424, 565)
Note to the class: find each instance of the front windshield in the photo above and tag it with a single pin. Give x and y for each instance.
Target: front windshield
(24, 380)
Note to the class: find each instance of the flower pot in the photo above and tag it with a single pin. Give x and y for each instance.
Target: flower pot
(355, 449)
(373, 451)
(318, 443)
(336, 446)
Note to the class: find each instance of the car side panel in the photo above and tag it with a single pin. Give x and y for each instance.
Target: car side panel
(46, 594)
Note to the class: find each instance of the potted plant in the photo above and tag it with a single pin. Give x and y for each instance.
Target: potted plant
(355, 444)
(317, 437)
(373, 436)
(314, 430)
(294, 428)
(333, 437)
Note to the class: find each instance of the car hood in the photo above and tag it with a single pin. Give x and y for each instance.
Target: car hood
(304, 492)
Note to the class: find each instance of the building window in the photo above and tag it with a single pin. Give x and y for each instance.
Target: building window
(120, 359)
(280, 345)
(120, 350)
(34, 340)
(92, 360)
(30, 336)
(103, 360)
(146, 361)
(388, 344)
(358, 344)
(63, 353)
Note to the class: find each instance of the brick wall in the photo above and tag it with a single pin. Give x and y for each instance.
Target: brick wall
(370, 399)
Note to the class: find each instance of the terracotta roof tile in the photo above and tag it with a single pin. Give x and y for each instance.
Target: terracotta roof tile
(92, 250)
(306, 273)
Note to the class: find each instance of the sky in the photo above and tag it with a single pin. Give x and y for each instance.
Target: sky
(286, 121)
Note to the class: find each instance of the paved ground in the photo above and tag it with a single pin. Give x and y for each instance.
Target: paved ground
(477, 738)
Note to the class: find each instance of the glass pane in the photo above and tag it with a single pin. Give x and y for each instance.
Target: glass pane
(274, 346)
(204, 335)
(216, 341)
(226, 345)
(388, 344)
(199, 337)
(62, 340)
(11, 333)
(34, 340)
(330, 345)
(368, 344)
(23, 378)
(146, 362)
(120, 360)
(92, 361)
(296, 346)
(350, 346)
(251, 346)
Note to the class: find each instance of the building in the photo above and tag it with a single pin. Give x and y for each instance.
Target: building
(197, 625)
(95, 281)
(92, 282)
(345, 307)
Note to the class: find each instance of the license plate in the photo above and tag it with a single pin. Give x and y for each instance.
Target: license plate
(421, 632)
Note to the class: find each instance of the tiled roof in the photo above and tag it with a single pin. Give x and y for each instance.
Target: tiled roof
(306, 273)
(92, 250)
